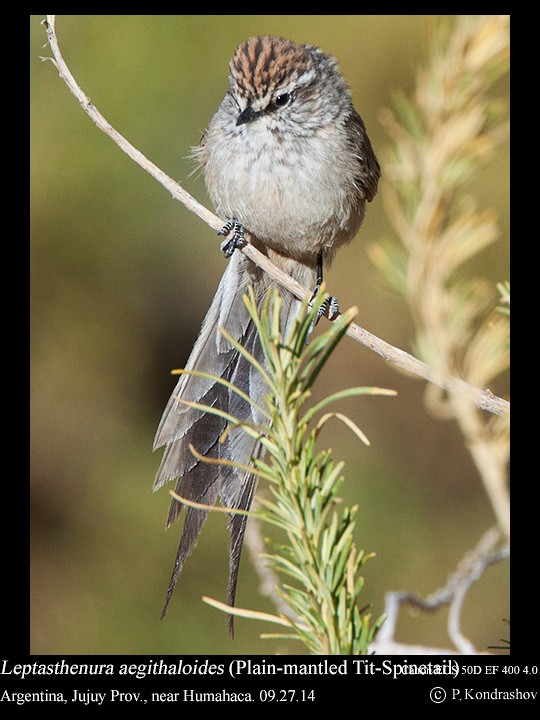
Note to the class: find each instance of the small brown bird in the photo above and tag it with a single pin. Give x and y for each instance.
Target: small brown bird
(288, 158)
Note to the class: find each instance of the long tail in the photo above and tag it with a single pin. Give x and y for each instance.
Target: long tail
(181, 425)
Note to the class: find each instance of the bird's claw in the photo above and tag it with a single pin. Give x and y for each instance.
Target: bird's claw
(329, 308)
(228, 246)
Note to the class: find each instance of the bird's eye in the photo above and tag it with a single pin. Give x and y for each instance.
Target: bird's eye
(282, 100)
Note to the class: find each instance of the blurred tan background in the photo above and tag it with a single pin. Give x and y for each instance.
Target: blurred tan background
(121, 279)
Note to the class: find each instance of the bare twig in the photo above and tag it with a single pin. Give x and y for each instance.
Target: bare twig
(453, 594)
(484, 399)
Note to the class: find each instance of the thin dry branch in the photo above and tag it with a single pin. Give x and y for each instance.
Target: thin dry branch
(453, 594)
(484, 399)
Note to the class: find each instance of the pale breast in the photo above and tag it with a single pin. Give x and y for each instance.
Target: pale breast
(287, 191)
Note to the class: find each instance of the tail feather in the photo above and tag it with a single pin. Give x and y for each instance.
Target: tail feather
(182, 425)
(237, 528)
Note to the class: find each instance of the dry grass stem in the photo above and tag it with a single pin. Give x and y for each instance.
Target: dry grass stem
(440, 136)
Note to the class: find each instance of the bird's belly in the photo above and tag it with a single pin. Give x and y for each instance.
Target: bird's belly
(293, 204)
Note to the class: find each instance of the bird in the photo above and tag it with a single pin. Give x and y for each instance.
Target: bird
(287, 159)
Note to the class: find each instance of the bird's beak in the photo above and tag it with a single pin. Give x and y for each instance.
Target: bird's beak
(247, 115)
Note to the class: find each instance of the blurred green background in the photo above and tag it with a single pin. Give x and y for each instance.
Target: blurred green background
(121, 279)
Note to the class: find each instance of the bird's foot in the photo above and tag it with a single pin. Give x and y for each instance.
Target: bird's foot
(237, 240)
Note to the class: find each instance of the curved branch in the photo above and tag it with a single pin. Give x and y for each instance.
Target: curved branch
(484, 399)
(469, 570)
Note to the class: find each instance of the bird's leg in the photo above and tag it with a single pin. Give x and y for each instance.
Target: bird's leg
(228, 246)
(330, 306)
